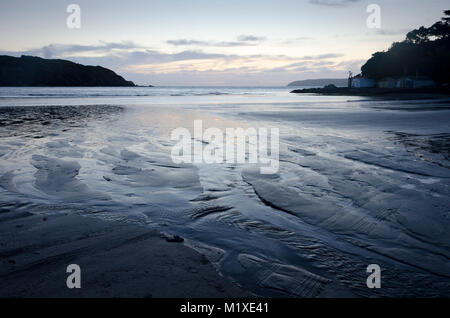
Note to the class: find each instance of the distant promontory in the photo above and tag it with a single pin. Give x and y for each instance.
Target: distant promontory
(36, 71)
(339, 82)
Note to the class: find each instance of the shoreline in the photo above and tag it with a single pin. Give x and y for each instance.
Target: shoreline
(419, 93)
(116, 260)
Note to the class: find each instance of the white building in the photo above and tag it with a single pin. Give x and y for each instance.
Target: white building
(360, 82)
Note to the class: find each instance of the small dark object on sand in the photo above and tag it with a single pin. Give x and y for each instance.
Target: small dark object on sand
(174, 239)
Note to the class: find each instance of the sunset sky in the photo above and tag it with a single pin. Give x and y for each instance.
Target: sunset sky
(212, 42)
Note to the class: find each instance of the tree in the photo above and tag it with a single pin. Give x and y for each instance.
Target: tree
(418, 36)
(424, 52)
(447, 16)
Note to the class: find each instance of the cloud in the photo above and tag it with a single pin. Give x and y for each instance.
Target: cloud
(384, 31)
(297, 40)
(309, 65)
(250, 38)
(200, 61)
(322, 56)
(352, 65)
(152, 66)
(242, 40)
(55, 50)
(333, 3)
(184, 42)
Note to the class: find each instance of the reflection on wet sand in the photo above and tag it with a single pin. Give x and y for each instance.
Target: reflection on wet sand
(359, 183)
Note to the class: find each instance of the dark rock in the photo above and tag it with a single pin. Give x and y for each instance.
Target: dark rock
(330, 87)
(174, 239)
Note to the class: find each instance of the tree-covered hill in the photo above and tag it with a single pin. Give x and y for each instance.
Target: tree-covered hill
(36, 71)
(424, 52)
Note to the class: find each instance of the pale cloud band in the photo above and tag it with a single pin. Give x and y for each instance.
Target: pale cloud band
(242, 40)
(131, 58)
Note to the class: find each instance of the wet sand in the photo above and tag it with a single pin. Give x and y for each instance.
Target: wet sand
(361, 181)
(116, 260)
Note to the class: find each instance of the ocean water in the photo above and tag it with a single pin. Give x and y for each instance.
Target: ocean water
(361, 181)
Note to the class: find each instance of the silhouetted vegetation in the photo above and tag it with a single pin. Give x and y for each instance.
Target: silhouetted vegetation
(424, 52)
(35, 71)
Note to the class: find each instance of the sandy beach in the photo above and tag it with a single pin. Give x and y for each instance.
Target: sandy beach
(116, 260)
(87, 178)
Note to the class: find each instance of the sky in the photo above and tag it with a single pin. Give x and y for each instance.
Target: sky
(213, 42)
